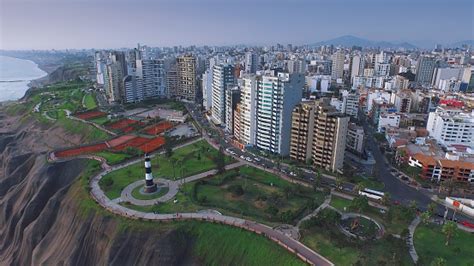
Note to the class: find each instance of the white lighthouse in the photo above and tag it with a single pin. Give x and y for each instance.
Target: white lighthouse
(150, 186)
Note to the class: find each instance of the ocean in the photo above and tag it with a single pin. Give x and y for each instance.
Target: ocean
(15, 74)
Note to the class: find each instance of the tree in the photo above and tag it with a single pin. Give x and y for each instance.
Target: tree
(386, 198)
(449, 230)
(220, 161)
(359, 187)
(168, 146)
(425, 217)
(438, 262)
(173, 162)
(360, 203)
(432, 207)
(413, 206)
(339, 182)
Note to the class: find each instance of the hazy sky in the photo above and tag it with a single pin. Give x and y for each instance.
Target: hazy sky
(46, 24)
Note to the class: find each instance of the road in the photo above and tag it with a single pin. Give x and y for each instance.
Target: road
(399, 190)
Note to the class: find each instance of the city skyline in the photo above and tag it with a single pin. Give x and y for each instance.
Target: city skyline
(114, 24)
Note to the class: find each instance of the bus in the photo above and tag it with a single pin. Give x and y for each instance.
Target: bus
(373, 194)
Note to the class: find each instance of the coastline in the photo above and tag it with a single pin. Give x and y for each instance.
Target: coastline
(37, 83)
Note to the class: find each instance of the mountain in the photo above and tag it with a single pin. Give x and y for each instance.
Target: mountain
(349, 40)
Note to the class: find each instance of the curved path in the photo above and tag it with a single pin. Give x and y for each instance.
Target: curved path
(411, 244)
(292, 245)
(173, 187)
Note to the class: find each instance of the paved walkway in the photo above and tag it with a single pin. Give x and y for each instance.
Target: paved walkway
(292, 245)
(411, 245)
(315, 212)
(173, 187)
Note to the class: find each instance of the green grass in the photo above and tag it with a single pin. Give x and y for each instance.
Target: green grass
(89, 101)
(258, 196)
(188, 163)
(224, 245)
(213, 244)
(113, 157)
(330, 242)
(368, 182)
(136, 193)
(100, 120)
(430, 244)
(395, 221)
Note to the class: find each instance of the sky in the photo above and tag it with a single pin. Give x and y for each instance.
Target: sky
(61, 24)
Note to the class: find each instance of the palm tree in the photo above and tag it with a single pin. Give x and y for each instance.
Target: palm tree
(359, 187)
(173, 162)
(432, 207)
(425, 217)
(339, 182)
(449, 230)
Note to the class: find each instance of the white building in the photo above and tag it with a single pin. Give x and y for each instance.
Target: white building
(355, 138)
(277, 95)
(348, 103)
(320, 83)
(357, 66)
(222, 78)
(387, 120)
(377, 94)
(451, 126)
(152, 75)
(337, 69)
(248, 110)
(207, 89)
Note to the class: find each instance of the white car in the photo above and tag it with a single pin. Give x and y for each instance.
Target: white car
(257, 159)
(242, 157)
(248, 159)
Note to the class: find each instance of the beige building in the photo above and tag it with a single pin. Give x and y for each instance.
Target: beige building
(329, 140)
(186, 78)
(302, 127)
(355, 138)
(319, 133)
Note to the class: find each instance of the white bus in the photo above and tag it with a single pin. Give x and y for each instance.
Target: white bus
(373, 194)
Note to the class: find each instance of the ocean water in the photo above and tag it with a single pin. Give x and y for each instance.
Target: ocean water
(15, 74)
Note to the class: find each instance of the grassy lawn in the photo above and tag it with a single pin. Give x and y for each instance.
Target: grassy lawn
(225, 245)
(114, 158)
(100, 120)
(89, 101)
(368, 182)
(136, 193)
(213, 244)
(395, 220)
(430, 244)
(265, 197)
(189, 160)
(327, 240)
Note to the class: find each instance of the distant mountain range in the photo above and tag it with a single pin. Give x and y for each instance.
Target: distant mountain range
(349, 40)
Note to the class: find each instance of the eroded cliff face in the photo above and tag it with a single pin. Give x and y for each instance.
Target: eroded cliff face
(41, 221)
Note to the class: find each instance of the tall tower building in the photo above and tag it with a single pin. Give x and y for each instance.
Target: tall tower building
(329, 137)
(302, 128)
(357, 66)
(222, 79)
(337, 70)
(277, 95)
(424, 69)
(207, 89)
(186, 78)
(151, 72)
(251, 62)
(247, 110)
(232, 98)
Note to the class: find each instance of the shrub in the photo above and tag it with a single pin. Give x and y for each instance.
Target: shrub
(237, 190)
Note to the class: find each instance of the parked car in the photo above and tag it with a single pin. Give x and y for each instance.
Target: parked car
(467, 224)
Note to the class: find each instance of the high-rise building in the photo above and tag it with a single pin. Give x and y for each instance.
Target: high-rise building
(337, 70)
(116, 72)
(357, 66)
(152, 74)
(232, 98)
(207, 89)
(329, 137)
(247, 109)
(251, 62)
(186, 78)
(302, 129)
(133, 89)
(296, 66)
(424, 69)
(172, 81)
(277, 95)
(222, 79)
